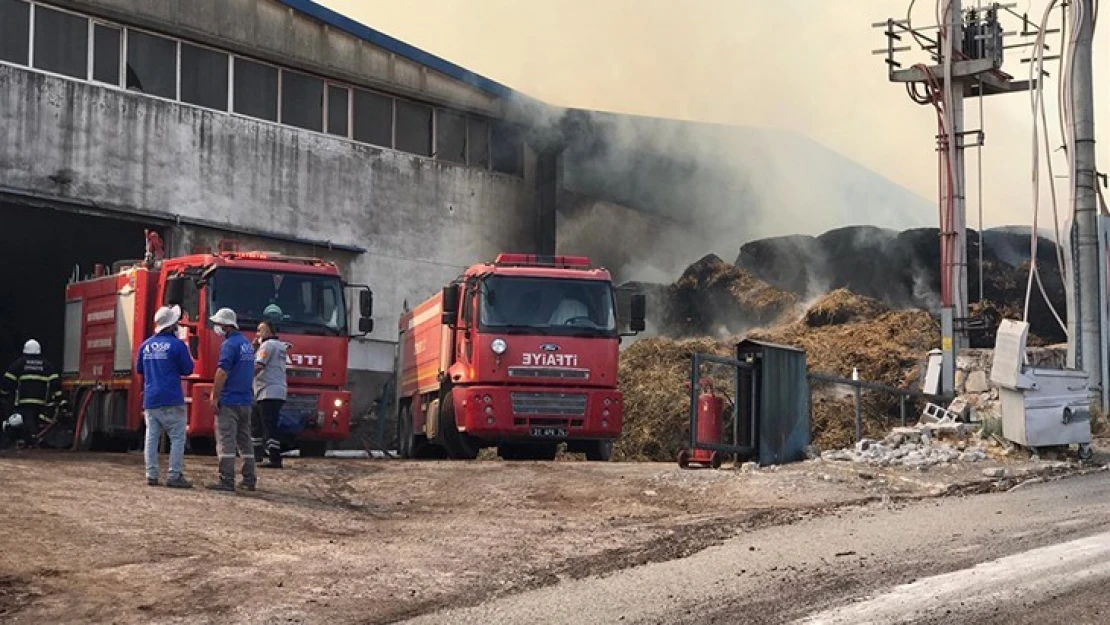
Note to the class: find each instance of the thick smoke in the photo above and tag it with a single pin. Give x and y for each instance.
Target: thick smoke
(649, 196)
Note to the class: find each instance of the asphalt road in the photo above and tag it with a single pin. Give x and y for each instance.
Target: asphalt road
(1040, 553)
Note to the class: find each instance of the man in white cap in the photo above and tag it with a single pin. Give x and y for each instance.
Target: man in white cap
(163, 360)
(32, 389)
(232, 400)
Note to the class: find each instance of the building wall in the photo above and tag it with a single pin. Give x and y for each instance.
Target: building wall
(271, 31)
(421, 221)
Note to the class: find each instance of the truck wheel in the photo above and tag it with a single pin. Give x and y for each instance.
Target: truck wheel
(459, 445)
(599, 451)
(404, 432)
(684, 459)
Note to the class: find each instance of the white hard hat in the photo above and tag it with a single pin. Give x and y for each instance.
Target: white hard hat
(225, 317)
(166, 317)
(32, 348)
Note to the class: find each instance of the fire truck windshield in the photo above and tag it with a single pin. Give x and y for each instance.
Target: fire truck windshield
(298, 303)
(555, 306)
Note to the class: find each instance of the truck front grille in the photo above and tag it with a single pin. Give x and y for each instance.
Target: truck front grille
(553, 404)
(544, 372)
(302, 407)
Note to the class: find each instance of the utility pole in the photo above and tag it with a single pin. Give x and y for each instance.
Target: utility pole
(953, 341)
(1085, 333)
(960, 66)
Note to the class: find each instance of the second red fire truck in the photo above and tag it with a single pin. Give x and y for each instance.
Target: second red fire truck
(520, 354)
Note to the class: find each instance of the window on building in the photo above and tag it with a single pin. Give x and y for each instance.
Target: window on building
(256, 89)
(107, 42)
(338, 109)
(373, 118)
(151, 64)
(302, 101)
(477, 142)
(507, 149)
(414, 128)
(15, 30)
(61, 42)
(450, 137)
(203, 77)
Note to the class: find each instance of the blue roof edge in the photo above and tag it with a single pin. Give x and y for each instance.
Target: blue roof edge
(398, 47)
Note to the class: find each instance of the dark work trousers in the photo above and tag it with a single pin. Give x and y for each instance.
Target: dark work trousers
(233, 434)
(268, 410)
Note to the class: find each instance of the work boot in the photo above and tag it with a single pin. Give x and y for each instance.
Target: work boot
(222, 487)
(151, 481)
(248, 486)
(178, 482)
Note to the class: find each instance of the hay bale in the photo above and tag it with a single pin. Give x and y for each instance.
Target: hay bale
(842, 306)
(714, 298)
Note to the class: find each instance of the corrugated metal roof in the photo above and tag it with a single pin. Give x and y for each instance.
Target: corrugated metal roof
(396, 46)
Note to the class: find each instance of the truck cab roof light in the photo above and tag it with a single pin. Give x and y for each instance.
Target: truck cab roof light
(536, 260)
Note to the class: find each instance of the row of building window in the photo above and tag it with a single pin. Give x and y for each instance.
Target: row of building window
(73, 45)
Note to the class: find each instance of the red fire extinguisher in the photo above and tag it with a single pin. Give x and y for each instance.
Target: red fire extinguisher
(710, 421)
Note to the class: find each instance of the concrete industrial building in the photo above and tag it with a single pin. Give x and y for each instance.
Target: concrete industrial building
(278, 123)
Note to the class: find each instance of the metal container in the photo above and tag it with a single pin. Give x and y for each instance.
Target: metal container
(1041, 407)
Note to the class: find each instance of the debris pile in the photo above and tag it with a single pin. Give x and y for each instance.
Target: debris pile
(917, 447)
(714, 298)
(842, 306)
(654, 374)
(901, 269)
(886, 347)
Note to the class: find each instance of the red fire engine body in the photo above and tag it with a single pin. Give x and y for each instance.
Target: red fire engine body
(109, 316)
(520, 354)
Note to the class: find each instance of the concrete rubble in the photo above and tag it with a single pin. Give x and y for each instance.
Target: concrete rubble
(919, 447)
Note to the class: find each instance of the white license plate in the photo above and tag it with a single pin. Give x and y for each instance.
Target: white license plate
(549, 432)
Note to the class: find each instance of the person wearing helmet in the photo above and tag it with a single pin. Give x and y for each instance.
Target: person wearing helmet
(163, 360)
(232, 400)
(32, 389)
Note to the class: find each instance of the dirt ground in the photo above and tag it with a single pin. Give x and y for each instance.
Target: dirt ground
(375, 541)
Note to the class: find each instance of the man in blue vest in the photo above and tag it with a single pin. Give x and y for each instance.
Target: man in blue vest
(163, 360)
(232, 400)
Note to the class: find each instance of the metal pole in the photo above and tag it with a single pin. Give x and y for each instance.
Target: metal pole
(859, 411)
(902, 408)
(1086, 203)
(955, 193)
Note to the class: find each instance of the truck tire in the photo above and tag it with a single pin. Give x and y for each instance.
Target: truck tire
(599, 451)
(409, 443)
(459, 445)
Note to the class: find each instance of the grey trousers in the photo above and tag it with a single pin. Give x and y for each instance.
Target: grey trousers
(233, 434)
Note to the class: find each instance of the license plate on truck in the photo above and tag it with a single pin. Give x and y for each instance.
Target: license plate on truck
(549, 432)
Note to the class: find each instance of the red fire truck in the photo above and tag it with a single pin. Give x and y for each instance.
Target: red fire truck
(520, 354)
(109, 315)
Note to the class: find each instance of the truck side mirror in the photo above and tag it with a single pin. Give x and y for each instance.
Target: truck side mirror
(637, 322)
(366, 303)
(175, 291)
(450, 304)
(365, 325)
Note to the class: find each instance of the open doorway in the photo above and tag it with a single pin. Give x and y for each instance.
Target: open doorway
(42, 248)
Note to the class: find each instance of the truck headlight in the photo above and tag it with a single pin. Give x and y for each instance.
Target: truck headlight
(499, 346)
(338, 403)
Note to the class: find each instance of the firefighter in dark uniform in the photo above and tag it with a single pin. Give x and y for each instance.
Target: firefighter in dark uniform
(31, 390)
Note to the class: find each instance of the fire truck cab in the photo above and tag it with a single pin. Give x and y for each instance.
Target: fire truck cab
(522, 354)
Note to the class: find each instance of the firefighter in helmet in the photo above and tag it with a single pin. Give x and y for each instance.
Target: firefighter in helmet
(32, 393)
